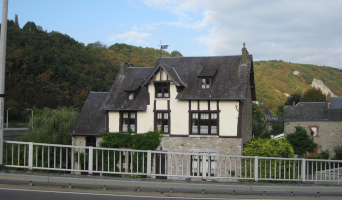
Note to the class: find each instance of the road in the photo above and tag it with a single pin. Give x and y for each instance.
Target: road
(55, 192)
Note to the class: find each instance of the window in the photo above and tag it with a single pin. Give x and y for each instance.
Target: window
(313, 131)
(91, 141)
(197, 164)
(204, 123)
(162, 90)
(130, 96)
(128, 121)
(162, 122)
(205, 83)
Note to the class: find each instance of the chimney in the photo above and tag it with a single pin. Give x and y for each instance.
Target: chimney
(244, 54)
(329, 98)
(294, 103)
(123, 67)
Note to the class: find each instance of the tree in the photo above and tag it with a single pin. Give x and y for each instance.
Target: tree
(258, 125)
(30, 26)
(176, 53)
(313, 95)
(301, 141)
(52, 126)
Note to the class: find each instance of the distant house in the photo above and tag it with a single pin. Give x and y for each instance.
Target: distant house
(322, 121)
(201, 104)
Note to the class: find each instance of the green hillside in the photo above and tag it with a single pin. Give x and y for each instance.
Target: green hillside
(274, 78)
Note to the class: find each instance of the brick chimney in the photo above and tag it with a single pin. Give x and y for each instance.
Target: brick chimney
(294, 103)
(329, 98)
(123, 67)
(244, 54)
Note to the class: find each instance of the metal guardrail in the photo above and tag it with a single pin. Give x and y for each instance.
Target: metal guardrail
(168, 185)
(174, 165)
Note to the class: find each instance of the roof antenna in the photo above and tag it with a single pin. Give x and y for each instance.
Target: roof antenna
(161, 48)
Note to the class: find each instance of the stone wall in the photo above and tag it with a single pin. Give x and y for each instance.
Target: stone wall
(247, 117)
(214, 144)
(329, 133)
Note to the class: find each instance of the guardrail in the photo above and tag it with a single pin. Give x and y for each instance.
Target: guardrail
(172, 165)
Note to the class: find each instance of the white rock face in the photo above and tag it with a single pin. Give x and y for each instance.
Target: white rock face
(296, 72)
(287, 95)
(320, 85)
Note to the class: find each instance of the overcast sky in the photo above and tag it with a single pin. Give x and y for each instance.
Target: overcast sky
(308, 32)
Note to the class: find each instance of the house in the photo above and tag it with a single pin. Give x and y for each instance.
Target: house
(322, 121)
(201, 104)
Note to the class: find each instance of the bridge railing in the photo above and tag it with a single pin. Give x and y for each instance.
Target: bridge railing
(174, 165)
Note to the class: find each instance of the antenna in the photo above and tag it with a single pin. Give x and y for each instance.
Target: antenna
(162, 47)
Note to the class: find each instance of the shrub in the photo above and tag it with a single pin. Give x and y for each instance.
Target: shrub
(301, 141)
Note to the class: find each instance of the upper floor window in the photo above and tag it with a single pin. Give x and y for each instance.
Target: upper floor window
(204, 123)
(130, 96)
(128, 121)
(205, 83)
(162, 90)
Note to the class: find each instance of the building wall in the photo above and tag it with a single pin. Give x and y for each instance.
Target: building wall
(329, 133)
(246, 124)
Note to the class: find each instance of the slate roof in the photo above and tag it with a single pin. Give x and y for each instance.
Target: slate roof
(312, 111)
(336, 103)
(130, 81)
(229, 78)
(91, 120)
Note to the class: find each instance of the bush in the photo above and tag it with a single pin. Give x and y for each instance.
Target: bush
(266, 168)
(338, 153)
(301, 141)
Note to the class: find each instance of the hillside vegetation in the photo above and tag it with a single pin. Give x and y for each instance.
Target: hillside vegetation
(275, 78)
(51, 69)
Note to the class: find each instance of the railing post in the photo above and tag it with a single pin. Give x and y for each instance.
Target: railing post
(149, 164)
(204, 166)
(90, 161)
(256, 172)
(303, 170)
(30, 156)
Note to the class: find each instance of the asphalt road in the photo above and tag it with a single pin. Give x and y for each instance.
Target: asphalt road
(52, 192)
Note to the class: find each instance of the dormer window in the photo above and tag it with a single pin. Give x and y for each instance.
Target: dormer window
(130, 96)
(162, 90)
(205, 83)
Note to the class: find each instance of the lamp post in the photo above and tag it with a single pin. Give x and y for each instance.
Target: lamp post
(7, 116)
(32, 115)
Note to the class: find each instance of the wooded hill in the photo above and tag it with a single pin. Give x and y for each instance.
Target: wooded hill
(51, 69)
(275, 78)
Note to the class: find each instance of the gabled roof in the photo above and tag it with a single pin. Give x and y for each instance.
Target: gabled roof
(170, 71)
(229, 78)
(130, 81)
(91, 120)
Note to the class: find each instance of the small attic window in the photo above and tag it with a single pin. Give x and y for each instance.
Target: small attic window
(205, 83)
(130, 96)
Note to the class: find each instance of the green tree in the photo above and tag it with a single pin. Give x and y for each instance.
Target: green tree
(30, 26)
(52, 126)
(313, 95)
(258, 125)
(301, 141)
(176, 53)
(14, 114)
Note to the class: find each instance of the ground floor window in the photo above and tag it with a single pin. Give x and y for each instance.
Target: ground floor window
(163, 121)
(197, 165)
(204, 123)
(128, 121)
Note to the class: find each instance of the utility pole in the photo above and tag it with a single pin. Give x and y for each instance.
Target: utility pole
(2, 75)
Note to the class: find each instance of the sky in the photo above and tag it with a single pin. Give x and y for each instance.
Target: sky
(297, 31)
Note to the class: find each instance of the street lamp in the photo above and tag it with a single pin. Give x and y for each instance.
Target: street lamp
(32, 115)
(7, 116)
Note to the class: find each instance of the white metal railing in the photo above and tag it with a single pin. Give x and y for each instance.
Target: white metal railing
(39, 156)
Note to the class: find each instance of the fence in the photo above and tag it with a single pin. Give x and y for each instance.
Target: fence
(158, 164)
